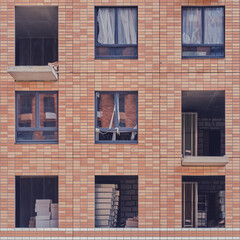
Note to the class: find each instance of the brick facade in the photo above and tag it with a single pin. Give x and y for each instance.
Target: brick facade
(159, 75)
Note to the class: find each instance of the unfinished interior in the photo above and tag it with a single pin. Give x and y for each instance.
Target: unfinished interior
(36, 201)
(36, 43)
(203, 201)
(116, 117)
(116, 201)
(203, 128)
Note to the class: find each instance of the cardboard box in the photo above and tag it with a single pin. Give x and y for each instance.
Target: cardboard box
(41, 201)
(43, 224)
(42, 207)
(43, 217)
(54, 223)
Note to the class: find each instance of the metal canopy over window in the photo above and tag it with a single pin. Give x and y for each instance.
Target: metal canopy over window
(203, 32)
(116, 117)
(116, 32)
(36, 117)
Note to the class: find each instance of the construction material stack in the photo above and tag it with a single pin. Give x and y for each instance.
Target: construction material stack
(47, 213)
(106, 205)
(221, 199)
(132, 222)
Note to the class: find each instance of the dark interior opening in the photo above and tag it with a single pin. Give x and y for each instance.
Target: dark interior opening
(209, 110)
(203, 204)
(36, 35)
(28, 190)
(116, 201)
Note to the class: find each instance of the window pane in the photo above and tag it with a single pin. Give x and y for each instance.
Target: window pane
(110, 52)
(48, 109)
(127, 136)
(128, 110)
(26, 110)
(214, 26)
(106, 25)
(203, 51)
(192, 30)
(127, 26)
(105, 113)
(37, 135)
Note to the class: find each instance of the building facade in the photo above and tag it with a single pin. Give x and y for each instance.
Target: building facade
(119, 119)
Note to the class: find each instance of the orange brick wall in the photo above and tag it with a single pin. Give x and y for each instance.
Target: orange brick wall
(158, 75)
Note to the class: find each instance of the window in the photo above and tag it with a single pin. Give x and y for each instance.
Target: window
(36, 35)
(116, 201)
(36, 119)
(203, 125)
(116, 32)
(203, 201)
(203, 32)
(36, 201)
(116, 117)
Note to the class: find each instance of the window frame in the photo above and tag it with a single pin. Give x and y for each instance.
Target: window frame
(115, 37)
(202, 38)
(37, 127)
(114, 130)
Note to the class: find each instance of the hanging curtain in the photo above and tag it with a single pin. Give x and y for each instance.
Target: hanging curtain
(127, 26)
(192, 30)
(106, 25)
(214, 29)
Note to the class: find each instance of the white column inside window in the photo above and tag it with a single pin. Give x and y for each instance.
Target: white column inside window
(127, 26)
(106, 25)
(192, 26)
(214, 26)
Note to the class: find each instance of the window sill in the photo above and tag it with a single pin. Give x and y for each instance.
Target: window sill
(33, 73)
(204, 160)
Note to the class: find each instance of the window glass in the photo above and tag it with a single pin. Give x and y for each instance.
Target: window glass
(214, 26)
(36, 117)
(106, 25)
(116, 32)
(192, 27)
(26, 110)
(116, 117)
(127, 26)
(203, 32)
(106, 111)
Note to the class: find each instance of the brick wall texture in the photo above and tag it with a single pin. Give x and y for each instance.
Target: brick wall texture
(159, 75)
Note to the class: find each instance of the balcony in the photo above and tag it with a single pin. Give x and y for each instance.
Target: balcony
(203, 128)
(36, 55)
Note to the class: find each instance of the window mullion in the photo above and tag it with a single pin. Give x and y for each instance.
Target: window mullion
(116, 103)
(203, 29)
(116, 23)
(37, 110)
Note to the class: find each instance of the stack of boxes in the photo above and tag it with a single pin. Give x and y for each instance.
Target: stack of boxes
(106, 205)
(47, 213)
(132, 222)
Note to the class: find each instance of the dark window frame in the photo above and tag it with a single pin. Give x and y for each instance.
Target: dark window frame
(202, 39)
(116, 34)
(116, 123)
(37, 127)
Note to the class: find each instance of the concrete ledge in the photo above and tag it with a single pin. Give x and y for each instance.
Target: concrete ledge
(33, 73)
(204, 161)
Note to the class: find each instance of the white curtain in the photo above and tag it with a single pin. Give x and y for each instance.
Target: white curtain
(127, 26)
(106, 25)
(214, 26)
(192, 26)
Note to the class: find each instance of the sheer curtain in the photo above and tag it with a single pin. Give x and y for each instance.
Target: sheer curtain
(127, 26)
(106, 25)
(214, 29)
(192, 30)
